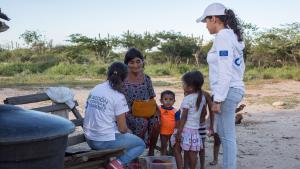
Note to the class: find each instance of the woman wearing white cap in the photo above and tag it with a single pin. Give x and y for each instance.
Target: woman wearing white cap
(226, 71)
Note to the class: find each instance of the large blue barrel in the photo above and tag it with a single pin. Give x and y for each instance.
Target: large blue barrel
(31, 139)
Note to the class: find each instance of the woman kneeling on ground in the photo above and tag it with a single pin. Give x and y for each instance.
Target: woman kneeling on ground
(105, 123)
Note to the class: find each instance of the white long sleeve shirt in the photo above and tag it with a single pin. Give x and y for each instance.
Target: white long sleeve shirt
(226, 64)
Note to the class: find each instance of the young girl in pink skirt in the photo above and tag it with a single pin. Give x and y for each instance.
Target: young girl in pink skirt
(187, 137)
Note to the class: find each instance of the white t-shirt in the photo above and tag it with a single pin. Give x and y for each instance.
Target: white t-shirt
(103, 105)
(193, 116)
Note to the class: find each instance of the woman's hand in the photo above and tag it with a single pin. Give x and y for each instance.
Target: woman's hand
(216, 107)
(158, 114)
(121, 123)
(210, 132)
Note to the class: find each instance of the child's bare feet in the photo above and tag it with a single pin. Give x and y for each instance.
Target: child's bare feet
(215, 162)
(238, 119)
(242, 106)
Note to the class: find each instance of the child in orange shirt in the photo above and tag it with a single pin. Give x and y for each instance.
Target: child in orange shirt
(168, 116)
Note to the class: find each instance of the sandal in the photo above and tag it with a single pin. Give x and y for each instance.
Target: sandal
(115, 164)
(213, 162)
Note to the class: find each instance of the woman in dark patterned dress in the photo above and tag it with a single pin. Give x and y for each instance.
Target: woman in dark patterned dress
(138, 86)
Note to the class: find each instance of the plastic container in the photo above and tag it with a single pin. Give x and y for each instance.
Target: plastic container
(157, 162)
(31, 139)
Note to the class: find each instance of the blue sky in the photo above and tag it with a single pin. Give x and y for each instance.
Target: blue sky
(57, 19)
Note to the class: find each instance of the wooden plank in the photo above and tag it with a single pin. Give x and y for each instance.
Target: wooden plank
(73, 140)
(54, 107)
(87, 165)
(76, 113)
(77, 122)
(26, 99)
(94, 155)
(70, 160)
(100, 153)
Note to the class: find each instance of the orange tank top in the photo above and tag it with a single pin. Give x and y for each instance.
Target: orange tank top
(168, 123)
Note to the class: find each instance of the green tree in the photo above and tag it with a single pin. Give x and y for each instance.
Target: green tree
(102, 47)
(277, 46)
(144, 42)
(249, 33)
(34, 40)
(178, 47)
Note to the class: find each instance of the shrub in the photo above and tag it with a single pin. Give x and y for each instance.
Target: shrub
(297, 77)
(184, 68)
(12, 69)
(101, 71)
(267, 76)
(67, 69)
(5, 56)
(162, 71)
(286, 75)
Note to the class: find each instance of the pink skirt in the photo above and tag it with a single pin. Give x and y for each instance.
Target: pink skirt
(191, 140)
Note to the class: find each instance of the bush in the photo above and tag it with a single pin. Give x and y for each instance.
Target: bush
(184, 68)
(77, 70)
(67, 69)
(162, 72)
(114, 57)
(156, 58)
(251, 76)
(5, 56)
(101, 71)
(44, 59)
(297, 77)
(159, 69)
(98, 70)
(286, 76)
(12, 69)
(23, 55)
(267, 76)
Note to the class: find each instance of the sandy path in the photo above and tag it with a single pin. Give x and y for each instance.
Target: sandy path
(268, 137)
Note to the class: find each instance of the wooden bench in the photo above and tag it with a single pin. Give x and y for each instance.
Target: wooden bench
(80, 159)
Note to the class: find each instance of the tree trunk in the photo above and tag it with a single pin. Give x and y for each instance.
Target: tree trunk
(169, 61)
(196, 59)
(177, 60)
(187, 61)
(295, 60)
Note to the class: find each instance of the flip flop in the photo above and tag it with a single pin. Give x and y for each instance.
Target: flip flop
(213, 163)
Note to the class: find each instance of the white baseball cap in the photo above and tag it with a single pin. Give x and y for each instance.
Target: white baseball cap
(213, 9)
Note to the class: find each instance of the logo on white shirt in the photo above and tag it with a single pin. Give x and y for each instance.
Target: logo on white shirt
(223, 53)
(98, 102)
(238, 61)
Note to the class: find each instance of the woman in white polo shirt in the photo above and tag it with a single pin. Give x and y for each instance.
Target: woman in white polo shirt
(105, 122)
(226, 71)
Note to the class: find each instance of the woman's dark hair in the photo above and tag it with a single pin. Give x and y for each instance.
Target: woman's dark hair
(231, 21)
(131, 54)
(195, 80)
(116, 74)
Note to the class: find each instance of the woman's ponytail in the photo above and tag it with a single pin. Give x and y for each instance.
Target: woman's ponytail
(232, 22)
(199, 99)
(116, 75)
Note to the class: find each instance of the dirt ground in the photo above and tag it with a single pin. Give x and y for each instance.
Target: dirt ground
(268, 138)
